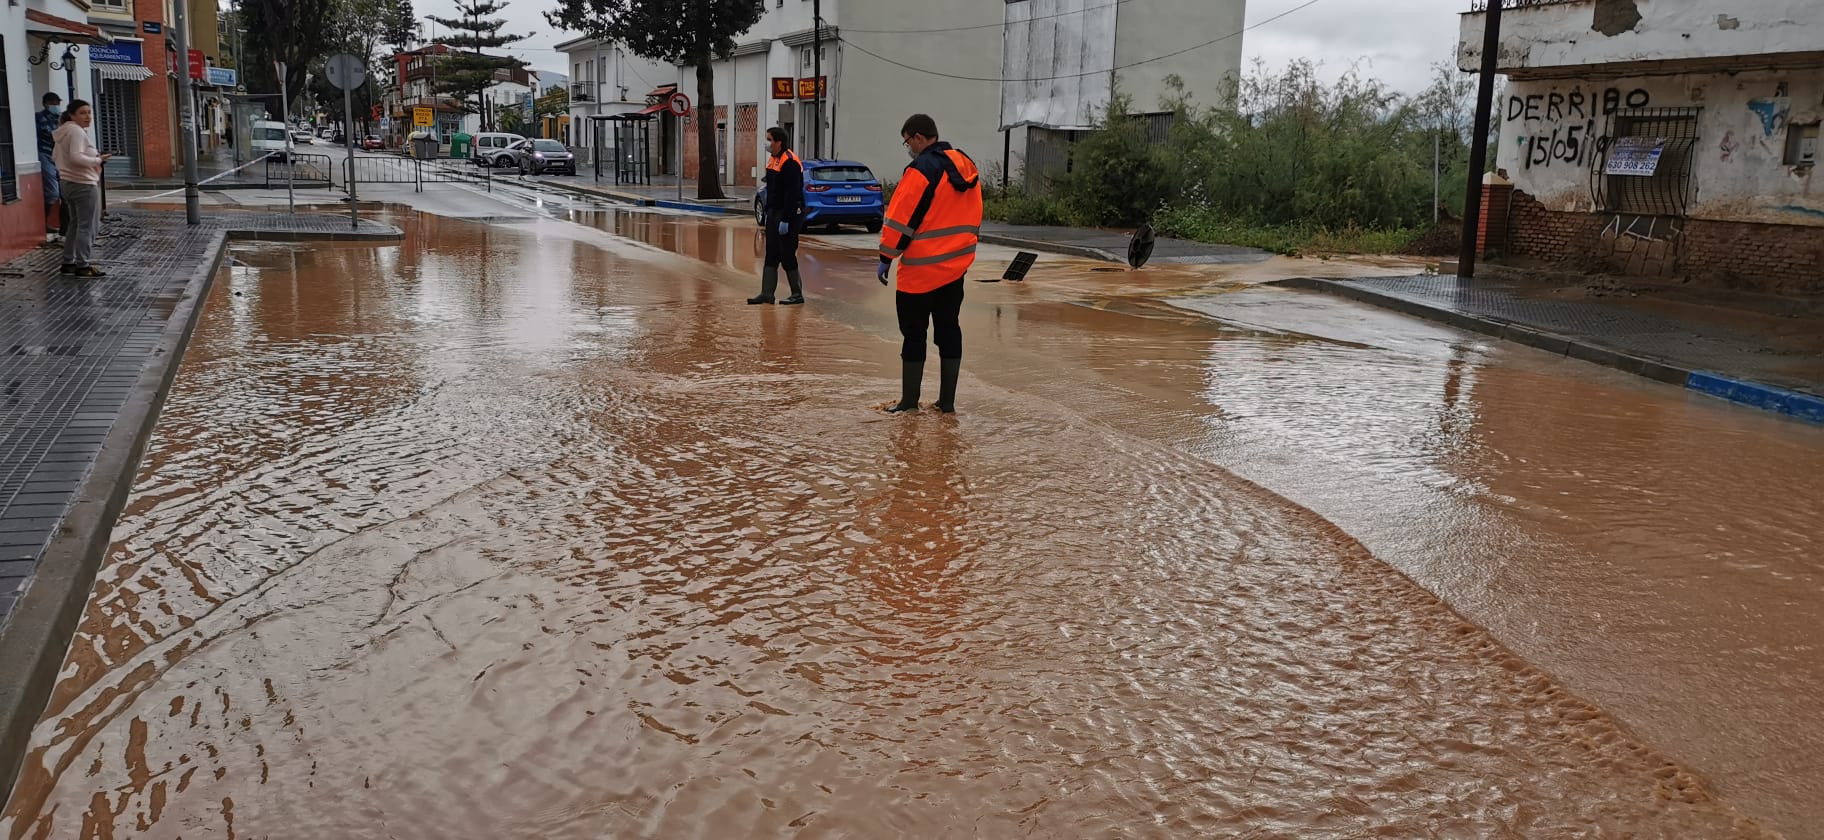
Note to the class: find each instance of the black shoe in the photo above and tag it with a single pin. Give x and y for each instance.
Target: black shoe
(794, 300)
(68, 268)
(759, 299)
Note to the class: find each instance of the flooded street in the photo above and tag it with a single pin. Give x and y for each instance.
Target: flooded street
(532, 529)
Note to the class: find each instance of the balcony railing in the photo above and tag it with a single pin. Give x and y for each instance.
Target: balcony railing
(1482, 5)
(582, 92)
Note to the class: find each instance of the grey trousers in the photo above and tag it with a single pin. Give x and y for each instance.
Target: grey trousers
(82, 207)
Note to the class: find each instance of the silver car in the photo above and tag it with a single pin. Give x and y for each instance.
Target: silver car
(537, 157)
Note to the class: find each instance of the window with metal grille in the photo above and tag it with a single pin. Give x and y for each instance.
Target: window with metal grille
(9, 166)
(1645, 167)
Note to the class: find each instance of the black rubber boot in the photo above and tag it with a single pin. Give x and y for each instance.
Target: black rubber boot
(948, 370)
(769, 281)
(911, 377)
(791, 276)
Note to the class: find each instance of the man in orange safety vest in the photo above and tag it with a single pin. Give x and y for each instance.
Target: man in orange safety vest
(931, 228)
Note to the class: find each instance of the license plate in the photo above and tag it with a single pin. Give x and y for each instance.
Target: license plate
(848, 199)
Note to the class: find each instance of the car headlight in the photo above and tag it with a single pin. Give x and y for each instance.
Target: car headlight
(538, 155)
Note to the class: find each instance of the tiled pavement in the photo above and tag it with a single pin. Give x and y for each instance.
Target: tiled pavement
(72, 353)
(1649, 343)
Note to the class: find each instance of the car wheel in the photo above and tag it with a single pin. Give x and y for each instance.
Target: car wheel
(759, 213)
(873, 225)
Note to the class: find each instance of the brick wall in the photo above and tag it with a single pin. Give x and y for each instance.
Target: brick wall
(155, 116)
(690, 139)
(1771, 259)
(1775, 259)
(1542, 234)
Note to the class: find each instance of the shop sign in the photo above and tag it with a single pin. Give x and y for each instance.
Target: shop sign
(119, 52)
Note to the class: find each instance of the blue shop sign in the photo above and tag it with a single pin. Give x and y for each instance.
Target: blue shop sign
(119, 52)
(221, 77)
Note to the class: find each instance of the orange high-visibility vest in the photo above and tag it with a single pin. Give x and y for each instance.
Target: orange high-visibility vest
(934, 220)
(776, 161)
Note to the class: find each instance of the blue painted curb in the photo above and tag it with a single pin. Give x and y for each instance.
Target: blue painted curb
(696, 208)
(1765, 397)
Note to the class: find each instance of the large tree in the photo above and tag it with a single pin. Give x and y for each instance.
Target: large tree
(293, 31)
(685, 32)
(470, 71)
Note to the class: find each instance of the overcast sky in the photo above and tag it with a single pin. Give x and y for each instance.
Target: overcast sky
(1394, 40)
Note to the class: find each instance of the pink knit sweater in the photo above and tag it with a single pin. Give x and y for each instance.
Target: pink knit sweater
(75, 155)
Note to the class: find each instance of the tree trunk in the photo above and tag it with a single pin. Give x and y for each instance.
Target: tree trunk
(709, 179)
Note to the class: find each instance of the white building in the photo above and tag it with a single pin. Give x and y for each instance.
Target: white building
(1670, 138)
(883, 61)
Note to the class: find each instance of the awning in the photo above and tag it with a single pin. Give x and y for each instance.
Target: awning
(122, 72)
(63, 30)
(653, 109)
(663, 90)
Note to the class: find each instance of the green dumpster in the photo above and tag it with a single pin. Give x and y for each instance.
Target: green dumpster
(459, 145)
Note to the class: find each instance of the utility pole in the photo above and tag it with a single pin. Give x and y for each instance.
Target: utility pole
(1478, 149)
(186, 115)
(817, 78)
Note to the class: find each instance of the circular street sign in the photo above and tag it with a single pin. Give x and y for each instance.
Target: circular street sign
(680, 104)
(345, 71)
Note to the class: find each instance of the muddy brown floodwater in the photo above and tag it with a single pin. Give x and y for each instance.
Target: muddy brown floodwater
(533, 532)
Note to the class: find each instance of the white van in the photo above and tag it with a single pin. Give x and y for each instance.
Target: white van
(269, 136)
(490, 148)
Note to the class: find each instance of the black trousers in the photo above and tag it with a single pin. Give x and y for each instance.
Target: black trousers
(781, 250)
(940, 307)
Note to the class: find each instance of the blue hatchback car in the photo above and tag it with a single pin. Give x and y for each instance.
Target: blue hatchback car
(836, 192)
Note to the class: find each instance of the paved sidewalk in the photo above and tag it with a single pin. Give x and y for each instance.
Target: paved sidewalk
(1111, 245)
(84, 367)
(1776, 364)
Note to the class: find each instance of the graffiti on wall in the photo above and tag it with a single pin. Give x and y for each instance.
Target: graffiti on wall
(1561, 127)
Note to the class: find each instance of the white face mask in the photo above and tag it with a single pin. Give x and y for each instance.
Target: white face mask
(55, 109)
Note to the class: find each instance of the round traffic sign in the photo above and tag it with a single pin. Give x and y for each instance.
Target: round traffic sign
(345, 71)
(679, 104)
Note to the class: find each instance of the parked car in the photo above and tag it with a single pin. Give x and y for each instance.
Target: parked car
(489, 148)
(537, 157)
(325, 134)
(301, 136)
(836, 192)
(372, 142)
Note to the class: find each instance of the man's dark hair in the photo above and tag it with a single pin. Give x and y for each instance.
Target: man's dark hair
(52, 98)
(921, 125)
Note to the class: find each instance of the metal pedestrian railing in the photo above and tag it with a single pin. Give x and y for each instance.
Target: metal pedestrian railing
(389, 169)
(302, 170)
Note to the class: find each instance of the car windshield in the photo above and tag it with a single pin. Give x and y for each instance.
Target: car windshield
(849, 174)
(272, 134)
(547, 146)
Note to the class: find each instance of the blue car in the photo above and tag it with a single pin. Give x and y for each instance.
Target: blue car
(836, 192)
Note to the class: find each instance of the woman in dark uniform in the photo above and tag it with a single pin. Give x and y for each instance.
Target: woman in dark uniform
(784, 211)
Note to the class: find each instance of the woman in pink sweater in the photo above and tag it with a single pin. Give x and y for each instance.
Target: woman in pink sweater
(79, 164)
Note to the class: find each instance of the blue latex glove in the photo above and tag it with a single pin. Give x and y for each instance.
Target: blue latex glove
(882, 273)
(785, 228)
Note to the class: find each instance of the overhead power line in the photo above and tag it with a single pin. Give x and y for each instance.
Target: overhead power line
(985, 25)
(842, 37)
